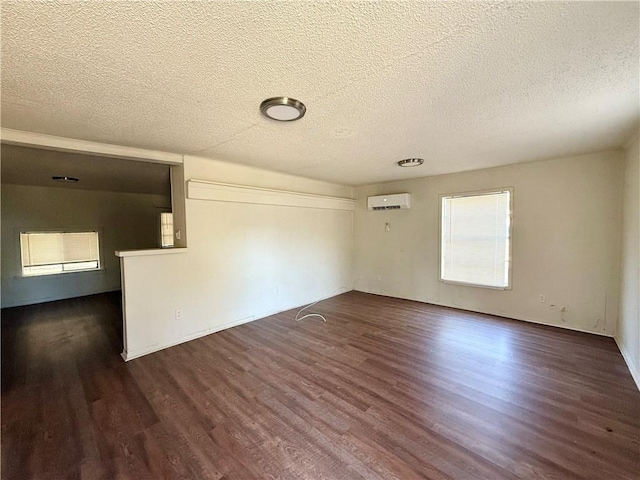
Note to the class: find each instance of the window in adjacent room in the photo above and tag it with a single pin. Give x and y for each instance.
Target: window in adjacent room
(475, 246)
(47, 253)
(166, 229)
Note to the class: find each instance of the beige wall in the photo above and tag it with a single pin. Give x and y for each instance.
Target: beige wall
(124, 220)
(629, 327)
(243, 261)
(566, 242)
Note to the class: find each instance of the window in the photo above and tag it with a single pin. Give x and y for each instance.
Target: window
(166, 229)
(47, 253)
(475, 244)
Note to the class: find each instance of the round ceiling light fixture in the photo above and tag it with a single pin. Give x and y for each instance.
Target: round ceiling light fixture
(283, 109)
(65, 179)
(411, 162)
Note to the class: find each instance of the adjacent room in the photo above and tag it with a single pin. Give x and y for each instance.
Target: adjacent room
(73, 222)
(320, 240)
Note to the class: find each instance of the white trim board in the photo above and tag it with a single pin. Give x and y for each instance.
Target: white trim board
(226, 192)
(629, 361)
(511, 317)
(635, 375)
(127, 356)
(150, 251)
(62, 144)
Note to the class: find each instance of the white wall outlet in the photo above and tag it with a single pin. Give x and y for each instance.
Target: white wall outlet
(379, 278)
(541, 298)
(178, 314)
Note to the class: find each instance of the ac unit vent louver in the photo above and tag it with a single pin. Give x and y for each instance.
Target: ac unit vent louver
(396, 201)
(390, 207)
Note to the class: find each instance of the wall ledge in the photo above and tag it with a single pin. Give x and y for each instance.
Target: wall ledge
(152, 251)
(226, 192)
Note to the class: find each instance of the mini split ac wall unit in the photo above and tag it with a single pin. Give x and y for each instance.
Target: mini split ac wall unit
(397, 201)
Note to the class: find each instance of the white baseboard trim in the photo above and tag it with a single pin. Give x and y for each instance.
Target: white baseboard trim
(635, 374)
(629, 361)
(127, 356)
(37, 301)
(538, 322)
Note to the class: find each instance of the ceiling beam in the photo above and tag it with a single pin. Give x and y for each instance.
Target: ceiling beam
(62, 144)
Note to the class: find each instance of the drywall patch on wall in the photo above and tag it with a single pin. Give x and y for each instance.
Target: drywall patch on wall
(124, 221)
(566, 242)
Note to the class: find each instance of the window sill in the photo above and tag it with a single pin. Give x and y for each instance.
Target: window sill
(153, 251)
(99, 271)
(476, 285)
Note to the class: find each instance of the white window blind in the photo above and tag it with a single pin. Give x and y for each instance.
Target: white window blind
(166, 229)
(45, 253)
(476, 234)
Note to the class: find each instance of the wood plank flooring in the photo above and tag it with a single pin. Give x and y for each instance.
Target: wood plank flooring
(386, 389)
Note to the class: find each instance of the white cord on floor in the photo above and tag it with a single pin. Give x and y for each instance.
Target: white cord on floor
(314, 303)
(309, 314)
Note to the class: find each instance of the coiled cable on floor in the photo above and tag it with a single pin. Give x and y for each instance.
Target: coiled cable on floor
(314, 303)
(309, 314)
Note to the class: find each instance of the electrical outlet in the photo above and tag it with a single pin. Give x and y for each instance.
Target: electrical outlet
(379, 278)
(178, 314)
(541, 298)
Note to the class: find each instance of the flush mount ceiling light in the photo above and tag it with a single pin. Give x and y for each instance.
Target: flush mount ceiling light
(411, 162)
(65, 179)
(283, 109)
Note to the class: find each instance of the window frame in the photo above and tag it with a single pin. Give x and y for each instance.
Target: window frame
(101, 265)
(475, 193)
(162, 211)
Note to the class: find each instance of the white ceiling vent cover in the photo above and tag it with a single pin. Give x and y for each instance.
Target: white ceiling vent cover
(396, 201)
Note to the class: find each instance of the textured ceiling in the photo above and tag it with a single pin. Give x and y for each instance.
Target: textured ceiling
(32, 166)
(465, 85)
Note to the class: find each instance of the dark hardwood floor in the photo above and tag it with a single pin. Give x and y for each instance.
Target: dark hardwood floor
(385, 389)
